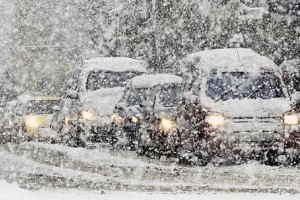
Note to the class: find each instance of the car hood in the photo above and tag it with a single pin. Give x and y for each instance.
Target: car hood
(102, 102)
(251, 107)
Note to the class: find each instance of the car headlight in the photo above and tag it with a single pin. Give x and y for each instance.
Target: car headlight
(32, 123)
(290, 119)
(118, 120)
(134, 119)
(167, 124)
(87, 115)
(215, 119)
(67, 120)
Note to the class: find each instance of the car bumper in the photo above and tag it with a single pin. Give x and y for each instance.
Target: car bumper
(100, 133)
(93, 132)
(252, 142)
(42, 134)
(164, 142)
(125, 135)
(222, 142)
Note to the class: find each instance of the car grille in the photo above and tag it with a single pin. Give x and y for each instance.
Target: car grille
(256, 129)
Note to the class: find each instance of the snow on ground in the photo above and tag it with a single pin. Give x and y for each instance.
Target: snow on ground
(12, 191)
(64, 173)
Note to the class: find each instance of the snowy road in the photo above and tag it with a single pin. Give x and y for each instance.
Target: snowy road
(45, 166)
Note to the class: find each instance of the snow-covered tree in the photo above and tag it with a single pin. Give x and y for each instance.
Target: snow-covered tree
(162, 31)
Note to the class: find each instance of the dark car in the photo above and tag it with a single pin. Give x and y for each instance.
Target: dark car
(145, 115)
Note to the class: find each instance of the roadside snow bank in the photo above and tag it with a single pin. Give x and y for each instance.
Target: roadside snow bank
(13, 192)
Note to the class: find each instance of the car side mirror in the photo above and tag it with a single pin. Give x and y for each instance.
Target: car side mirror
(72, 94)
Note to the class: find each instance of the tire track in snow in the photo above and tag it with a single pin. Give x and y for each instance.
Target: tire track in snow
(143, 176)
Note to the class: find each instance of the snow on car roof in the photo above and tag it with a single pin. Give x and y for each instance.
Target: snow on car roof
(116, 64)
(154, 79)
(229, 60)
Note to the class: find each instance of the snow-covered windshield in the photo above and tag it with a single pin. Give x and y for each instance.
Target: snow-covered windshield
(41, 107)
(240, 85)
(99, 79)
(169, 96)
(138, 95)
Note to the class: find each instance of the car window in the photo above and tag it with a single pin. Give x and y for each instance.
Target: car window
(138, 95)
(239, 85)
(169, 95)
(99, 79)
(41, 107)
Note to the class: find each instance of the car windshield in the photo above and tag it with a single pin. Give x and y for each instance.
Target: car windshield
(169, 96)
(41, 107)
(240, 85)
(99, 79)
(138, 95)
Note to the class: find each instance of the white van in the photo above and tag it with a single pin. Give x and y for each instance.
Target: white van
(97, 87)
(235, 105)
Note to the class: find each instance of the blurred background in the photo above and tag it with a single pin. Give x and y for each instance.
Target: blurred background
(43, 41)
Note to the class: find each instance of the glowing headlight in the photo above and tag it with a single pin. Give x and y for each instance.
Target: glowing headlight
(114, 117)
(290, 119)
(67, 120)
(87, 115)
(118, 120)
(215, 120)
(32, 123)
(167, 124)
(134, 119)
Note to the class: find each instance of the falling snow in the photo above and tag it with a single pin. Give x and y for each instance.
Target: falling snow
(148, 99)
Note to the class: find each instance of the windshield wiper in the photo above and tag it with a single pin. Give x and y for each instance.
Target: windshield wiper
(227, 91)
(261, 86)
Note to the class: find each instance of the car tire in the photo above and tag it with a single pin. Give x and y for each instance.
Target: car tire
(271, 158)
(293, 160)
(73, 137)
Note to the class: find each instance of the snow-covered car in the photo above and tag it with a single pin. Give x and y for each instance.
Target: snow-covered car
(291, 75)
(98, 86)
(235, 105)
(28, 118)
(146, 110)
